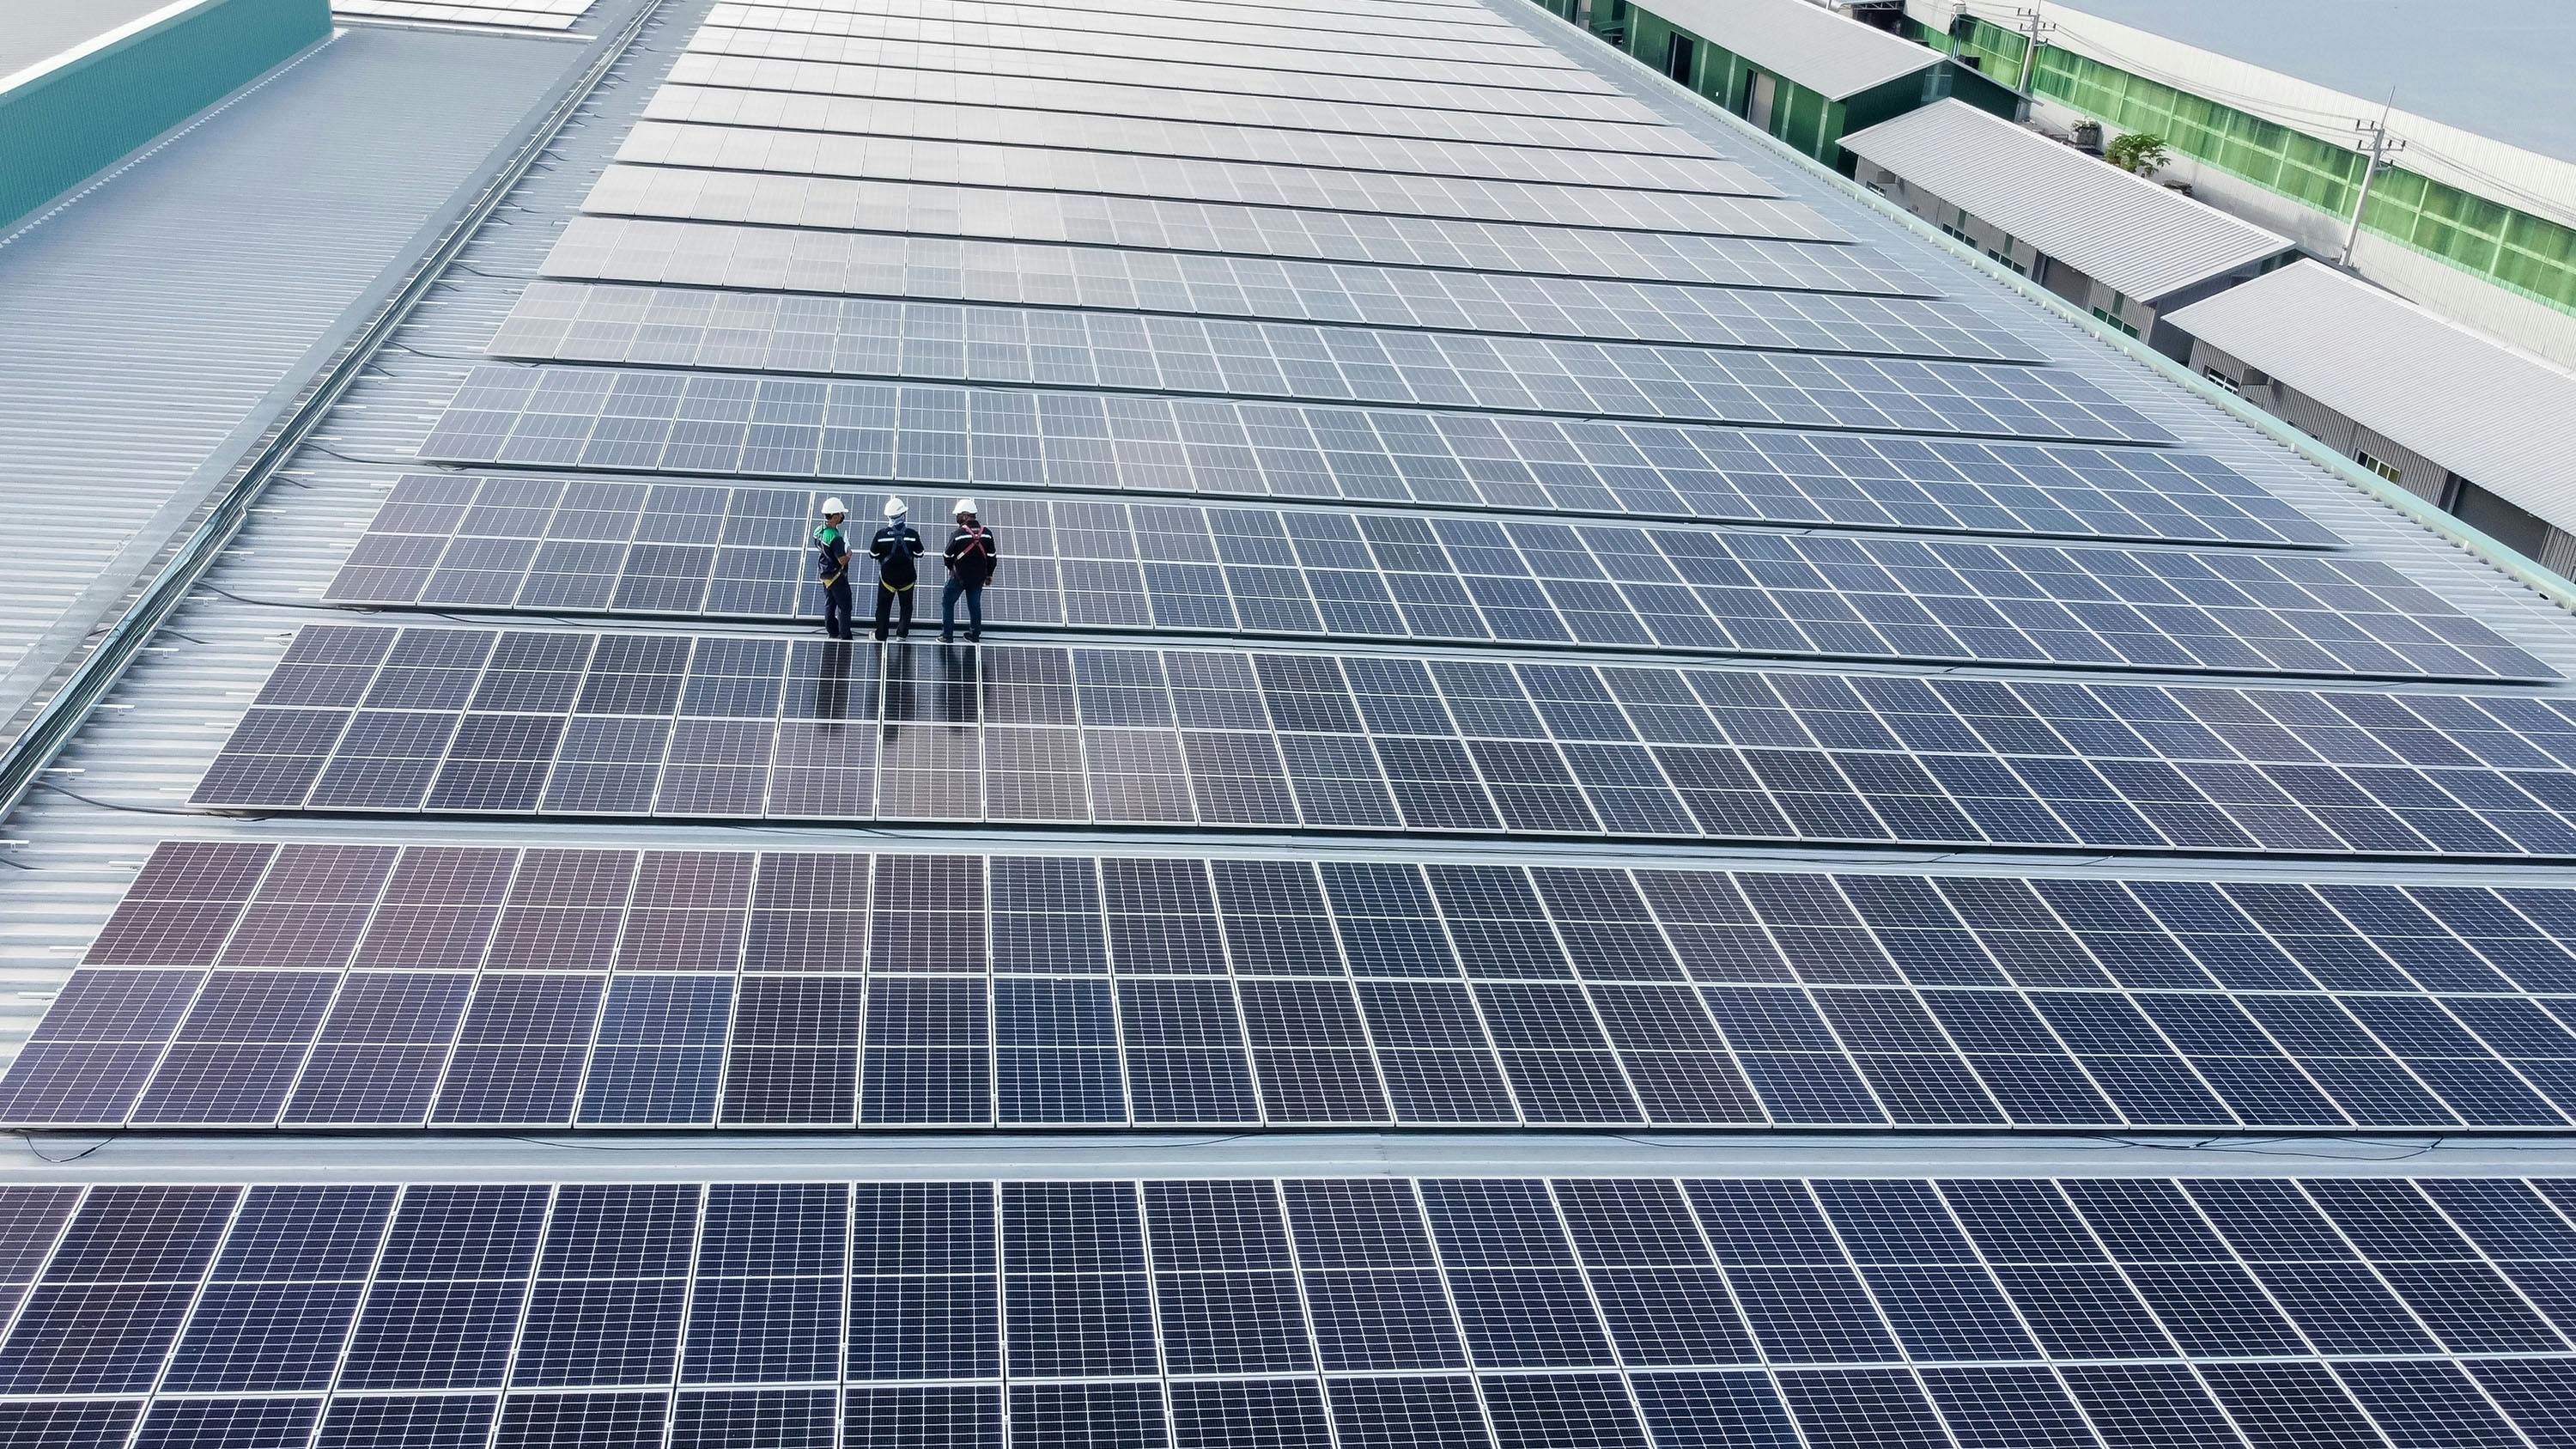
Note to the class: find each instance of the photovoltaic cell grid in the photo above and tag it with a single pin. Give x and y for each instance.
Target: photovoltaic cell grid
(933, 342)
(1267, 63)
(541, 543)
(1025, 273)
(1463, 1314)
(839, 204)
(1173, 99)
(595, 418)
(1054, 166)
(1035, 26)
(1184, 63)
(538, 722)
(1072, 123)
(336, 986)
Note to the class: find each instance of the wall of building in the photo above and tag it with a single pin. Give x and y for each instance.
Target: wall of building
(62, 124)
(2508, 523)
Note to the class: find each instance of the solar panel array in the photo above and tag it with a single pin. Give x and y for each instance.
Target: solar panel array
(559, 723)
(1467, 1314)
(683, 549)
(753, 291)
(641, 421)
(335, 985)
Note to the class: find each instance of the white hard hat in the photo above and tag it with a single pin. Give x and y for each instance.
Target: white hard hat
(895, 507)
(964, 505)
(834, 505)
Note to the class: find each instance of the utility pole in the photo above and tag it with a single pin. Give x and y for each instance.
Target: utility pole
(2033, 30)
(2377, 147)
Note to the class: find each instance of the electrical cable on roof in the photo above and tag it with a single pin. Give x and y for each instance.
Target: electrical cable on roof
(34, 1151)
(122, 809)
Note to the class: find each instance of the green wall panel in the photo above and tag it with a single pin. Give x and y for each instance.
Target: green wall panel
(62, 127)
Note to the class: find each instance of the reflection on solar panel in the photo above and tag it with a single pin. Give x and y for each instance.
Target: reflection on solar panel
(545, 544)
(1492, 1313)
(1182, 282)
(336, 985)
(530, 722)
(514, 14)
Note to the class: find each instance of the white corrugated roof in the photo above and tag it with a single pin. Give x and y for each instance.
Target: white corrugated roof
(2491, 413)
(2125, 230)
(1830, 54)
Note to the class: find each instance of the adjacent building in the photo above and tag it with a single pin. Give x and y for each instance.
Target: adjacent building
(1806, 76)
(2270, 109)
(2119, 246)
(2435, 407)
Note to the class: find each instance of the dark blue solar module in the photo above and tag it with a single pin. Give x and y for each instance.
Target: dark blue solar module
(548, 545)
(1484, 1312)
(557, 723)
(344, 985)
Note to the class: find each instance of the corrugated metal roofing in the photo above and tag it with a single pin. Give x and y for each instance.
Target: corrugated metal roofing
(150, 328)
(33, 31)
(1831, 54)
(2491, 413)
(2141, 238)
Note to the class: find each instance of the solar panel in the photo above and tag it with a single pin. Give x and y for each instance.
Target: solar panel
(794, 428)
(559, 723)
(1073, 117)
(1048, 166)
(708, 550)
(1308, 41)
(1185, 63)
(1491, 1312)
(1022, 273)
(1185, 356)
(306, 985)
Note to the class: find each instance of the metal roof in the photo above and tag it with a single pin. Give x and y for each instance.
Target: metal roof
(151, 326)
(37, 31)
(1830, 54)
(2489, 412)
(122, 780)
(2143, 239)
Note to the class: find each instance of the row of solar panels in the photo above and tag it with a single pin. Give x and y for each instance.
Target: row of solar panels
(757, 281)
(543, 722)
(539, 544)
(1502, 1314)
(357, 984)
(708, 426)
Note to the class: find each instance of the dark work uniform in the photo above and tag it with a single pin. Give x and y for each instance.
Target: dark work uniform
(897, 550)
(832, 566)
(971, 554)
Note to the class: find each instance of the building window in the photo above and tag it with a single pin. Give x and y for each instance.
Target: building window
(2110, 318)
(2223, 380)
(2381, 467)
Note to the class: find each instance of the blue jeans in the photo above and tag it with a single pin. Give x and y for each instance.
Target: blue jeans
(948, 608)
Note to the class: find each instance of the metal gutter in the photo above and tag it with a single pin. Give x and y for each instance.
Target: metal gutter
(71, 702)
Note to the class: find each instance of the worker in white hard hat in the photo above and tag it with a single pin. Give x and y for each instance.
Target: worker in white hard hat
(832, 566)
(897, 550)
(971, 555)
